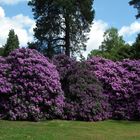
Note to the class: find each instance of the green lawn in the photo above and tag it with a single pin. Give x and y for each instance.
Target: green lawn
(70, 130)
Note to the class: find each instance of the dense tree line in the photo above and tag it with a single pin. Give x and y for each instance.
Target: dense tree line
(61, 27)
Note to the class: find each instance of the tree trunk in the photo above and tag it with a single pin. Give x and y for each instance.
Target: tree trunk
(67, 36)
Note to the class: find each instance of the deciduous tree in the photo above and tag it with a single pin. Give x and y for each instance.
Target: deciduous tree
(113, 46)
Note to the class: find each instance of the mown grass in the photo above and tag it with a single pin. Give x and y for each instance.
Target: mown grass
(69, 130)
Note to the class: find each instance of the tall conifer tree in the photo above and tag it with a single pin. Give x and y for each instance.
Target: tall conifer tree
(61, 25)
(12, 43)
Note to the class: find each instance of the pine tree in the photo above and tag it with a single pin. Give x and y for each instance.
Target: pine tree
(12, 43)
(61, 25)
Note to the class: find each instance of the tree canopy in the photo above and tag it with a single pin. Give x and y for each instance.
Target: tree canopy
(136, 48)
(113, 46)
(61, 25)
(111, 40)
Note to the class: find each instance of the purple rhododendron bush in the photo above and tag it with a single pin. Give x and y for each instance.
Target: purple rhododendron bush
(64, 64)
(84, 97)
(83, 92)
(121, 83)
(133, 66)
(5, 87)
(36, 89)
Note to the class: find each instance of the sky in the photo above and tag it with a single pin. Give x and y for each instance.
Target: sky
(17, 15)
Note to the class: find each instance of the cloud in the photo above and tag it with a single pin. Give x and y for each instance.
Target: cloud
(130, 42)
(11, 2)
(2, 13)
(22, 25)
(130, 30)
(95, 36)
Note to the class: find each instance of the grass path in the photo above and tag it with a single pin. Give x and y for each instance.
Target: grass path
(70, 130)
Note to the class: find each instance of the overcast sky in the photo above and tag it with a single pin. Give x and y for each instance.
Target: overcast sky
(17, 15)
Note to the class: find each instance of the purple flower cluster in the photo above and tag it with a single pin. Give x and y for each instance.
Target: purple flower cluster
(83, 92)
(64, 64)
(36, 89)
(85, 99)
(121, 83)
(5, 86)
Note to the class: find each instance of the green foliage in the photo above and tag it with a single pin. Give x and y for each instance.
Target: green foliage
(115, 54)
(11, 44)
(61, 25)
(112, 40)
(1, 51)
(136, 48)
(136, 4)
(113, 46)
(32, 45)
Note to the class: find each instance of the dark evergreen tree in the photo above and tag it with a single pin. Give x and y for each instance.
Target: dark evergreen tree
(61, 25)
(136, 4)
(12, 43)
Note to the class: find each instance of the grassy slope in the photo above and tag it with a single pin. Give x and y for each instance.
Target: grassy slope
(70, 130)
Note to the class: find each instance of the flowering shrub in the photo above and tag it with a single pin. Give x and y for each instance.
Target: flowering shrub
(36, 92)
(121, 84)
(84, 98)
(5, 87)
(133, 67)
(83, 92)
(30, 88)
(64, 64)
